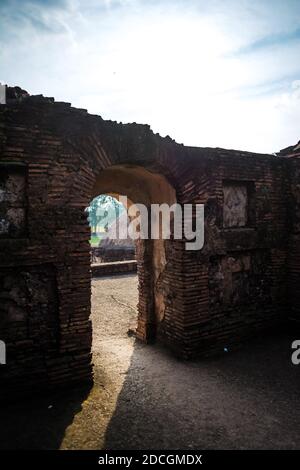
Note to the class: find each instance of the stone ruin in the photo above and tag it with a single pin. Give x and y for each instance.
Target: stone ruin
(55, 158)
(113, 248)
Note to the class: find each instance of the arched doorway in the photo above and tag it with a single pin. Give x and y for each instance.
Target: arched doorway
(58, 157)
(142, 186)
(68, 157)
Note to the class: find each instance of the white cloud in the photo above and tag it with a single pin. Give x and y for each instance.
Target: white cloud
(170, 64)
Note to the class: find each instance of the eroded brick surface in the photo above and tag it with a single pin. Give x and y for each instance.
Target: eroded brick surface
(244, 279)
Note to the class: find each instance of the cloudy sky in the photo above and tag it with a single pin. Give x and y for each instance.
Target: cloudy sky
(219, 73)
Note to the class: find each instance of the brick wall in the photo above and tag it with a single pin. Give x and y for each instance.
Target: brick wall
(197, 303)
(292, 156)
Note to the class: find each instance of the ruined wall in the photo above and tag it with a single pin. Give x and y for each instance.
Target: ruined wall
(51, 155)
(195, 302)
(115, 267)
(111, 254)
(294, 243)
(292, 157)
(237, 284)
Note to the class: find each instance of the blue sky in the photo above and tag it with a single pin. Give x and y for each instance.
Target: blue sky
(219, 73)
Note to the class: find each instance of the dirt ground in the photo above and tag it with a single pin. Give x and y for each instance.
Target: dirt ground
(143, 398)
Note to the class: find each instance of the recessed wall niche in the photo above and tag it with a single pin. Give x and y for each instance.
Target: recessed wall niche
(238, 207)
(13, 200)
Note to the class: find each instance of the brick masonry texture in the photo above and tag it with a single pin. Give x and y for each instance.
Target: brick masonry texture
(244, 280)
(115, 267)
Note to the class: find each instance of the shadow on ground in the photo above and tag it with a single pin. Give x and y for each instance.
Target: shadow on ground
(245, 399)
(40, 422)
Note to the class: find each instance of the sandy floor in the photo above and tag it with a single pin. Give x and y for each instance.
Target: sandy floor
(144, 398)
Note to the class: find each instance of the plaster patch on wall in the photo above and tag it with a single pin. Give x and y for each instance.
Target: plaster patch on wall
(159, 263)
(12, 201)
(229, 280)
(4, 226)
(235, 205)
(28, 305)
(239, 280)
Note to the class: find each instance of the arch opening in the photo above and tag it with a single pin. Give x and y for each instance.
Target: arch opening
(110, 242)
(142, 186)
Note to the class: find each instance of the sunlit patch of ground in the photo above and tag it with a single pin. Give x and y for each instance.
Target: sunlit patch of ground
(114, 313)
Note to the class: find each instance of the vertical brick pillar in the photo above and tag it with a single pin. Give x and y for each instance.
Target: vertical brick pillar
(146, 329)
